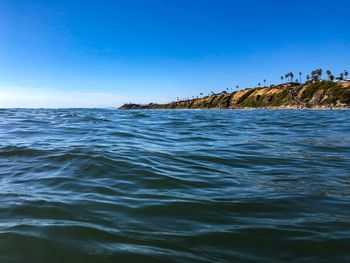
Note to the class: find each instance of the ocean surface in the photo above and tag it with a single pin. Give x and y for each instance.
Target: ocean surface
(94, 185)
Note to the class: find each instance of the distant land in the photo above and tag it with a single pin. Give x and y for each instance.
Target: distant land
(314, 94)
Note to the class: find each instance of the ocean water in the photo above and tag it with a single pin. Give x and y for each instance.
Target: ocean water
(93, 185)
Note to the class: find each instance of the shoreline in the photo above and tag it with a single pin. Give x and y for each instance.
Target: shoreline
(320, 95)
(252, 108)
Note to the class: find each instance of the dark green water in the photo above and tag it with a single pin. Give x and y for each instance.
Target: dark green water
(174, 186)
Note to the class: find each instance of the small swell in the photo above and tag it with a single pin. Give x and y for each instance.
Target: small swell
(79, 185)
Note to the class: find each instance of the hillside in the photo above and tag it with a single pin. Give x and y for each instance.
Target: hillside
(321, 94)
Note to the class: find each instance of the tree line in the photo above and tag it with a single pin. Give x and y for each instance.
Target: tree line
(314, 76)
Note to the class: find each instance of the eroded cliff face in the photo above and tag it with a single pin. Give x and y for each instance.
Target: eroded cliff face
(322, 94)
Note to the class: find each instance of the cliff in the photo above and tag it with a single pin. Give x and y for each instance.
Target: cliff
(321, 94)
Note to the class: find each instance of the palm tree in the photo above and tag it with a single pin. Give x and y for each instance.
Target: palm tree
(331, 77)
(315, 75)
(286, 77)
(342, 76)
(346, 73)
(259, 84)
(282, 78)
(308, 77)
(264, 82)
(291, 76)
(300, 74)
(329, 74)
(237, 87)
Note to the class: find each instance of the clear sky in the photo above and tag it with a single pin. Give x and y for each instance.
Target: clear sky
(103, 53)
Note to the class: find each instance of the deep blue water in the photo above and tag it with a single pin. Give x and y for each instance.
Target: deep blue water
(80, 185)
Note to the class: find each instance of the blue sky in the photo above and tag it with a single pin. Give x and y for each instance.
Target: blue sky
(104, 53)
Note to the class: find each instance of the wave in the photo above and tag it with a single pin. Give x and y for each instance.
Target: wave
(174, 186)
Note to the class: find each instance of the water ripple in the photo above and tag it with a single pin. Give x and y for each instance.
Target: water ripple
(81, 185)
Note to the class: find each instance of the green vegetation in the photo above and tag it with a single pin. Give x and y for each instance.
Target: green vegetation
(245, 96)
(314, 93)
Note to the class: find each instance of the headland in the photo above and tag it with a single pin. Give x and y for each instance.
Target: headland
(320, 94)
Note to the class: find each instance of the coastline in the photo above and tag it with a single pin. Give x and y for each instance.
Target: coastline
(321, 95)
(256, 108)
